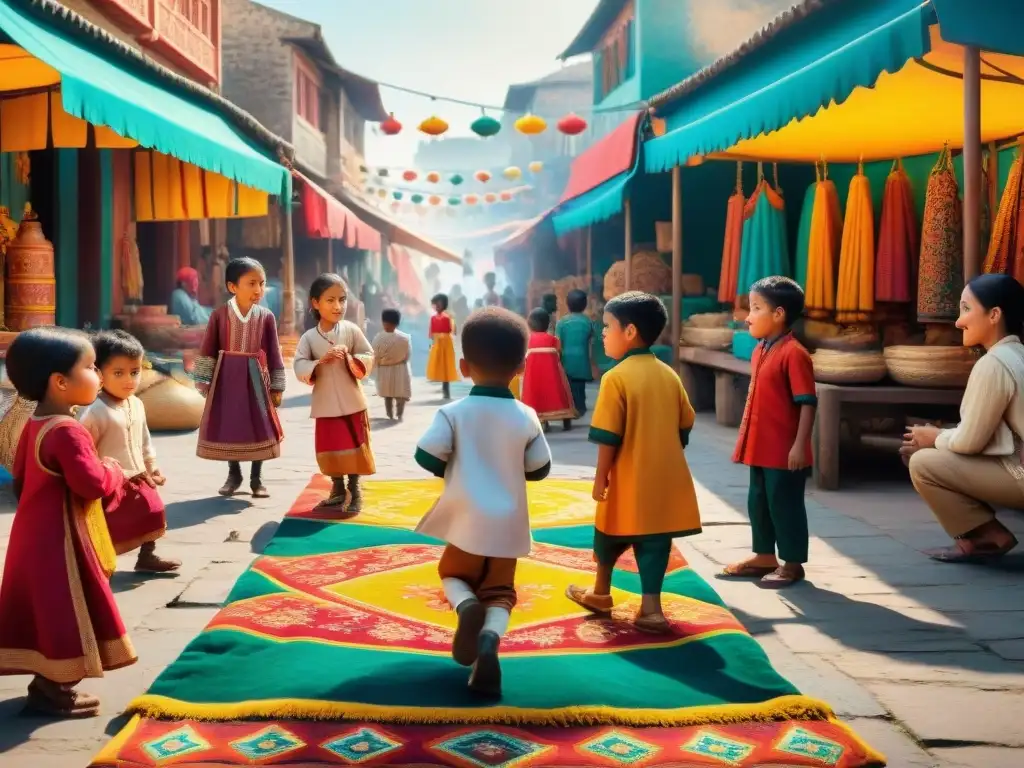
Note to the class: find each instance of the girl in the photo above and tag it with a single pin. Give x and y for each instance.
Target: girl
(117, 423)
(334, 356)
(545, 388)
(391, 349)
(441, 362)
(58, 618)
(241, 373)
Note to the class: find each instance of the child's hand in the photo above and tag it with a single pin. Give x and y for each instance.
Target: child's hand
(157, 477)
(600, 488)
(798, 456)
(275, 398)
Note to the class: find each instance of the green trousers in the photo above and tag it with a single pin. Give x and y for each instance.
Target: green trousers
(652, 554)
(778, 517)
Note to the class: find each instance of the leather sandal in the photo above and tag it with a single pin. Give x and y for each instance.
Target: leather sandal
(746, 571)
(783, 576)
(653, 624)
(976, 552)
(585, 598)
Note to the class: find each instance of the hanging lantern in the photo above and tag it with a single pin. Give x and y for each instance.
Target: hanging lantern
(536, 166)
(416, 199)
(433, 126)
(531, 125)
(506, 197)
(483, 176)
(512, 173)
(410, 175)
(397, 194)
(433, 177)
(434, 200)
(456, 180)
(572, 124)
(471, 199)
(490, 197)
(454, 201)
(391, 127)
(485, 126)
(382, 193)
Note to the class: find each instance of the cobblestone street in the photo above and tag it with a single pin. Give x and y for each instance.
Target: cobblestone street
(925, 660)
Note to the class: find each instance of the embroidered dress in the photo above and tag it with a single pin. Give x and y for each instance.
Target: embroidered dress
(239, 365)
(58, 618)
(342, 430)
(391, 352)
(545, 387)
(441, 362)
(135, 512)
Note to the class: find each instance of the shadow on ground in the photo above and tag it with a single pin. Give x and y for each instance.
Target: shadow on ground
(185, 514)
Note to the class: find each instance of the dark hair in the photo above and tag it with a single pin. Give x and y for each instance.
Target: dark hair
(549, 302)
(441, 300)
(35, 355)
(782, 292)
(391, 316)
(539, 319)
(643, 310)
(1004, 292)
(320, 286)
(494, 340)
(576, 300)
(111, 344)
(239, 268)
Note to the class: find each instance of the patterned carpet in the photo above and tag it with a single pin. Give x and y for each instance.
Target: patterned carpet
(333, 649)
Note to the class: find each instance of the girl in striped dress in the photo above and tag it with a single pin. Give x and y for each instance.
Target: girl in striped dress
(391, 350)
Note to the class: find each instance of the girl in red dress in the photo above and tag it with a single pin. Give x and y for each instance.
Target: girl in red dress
(545, 387)
(441, 362)
(58, 618)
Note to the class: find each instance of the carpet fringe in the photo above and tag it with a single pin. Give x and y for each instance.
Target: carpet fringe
(778, 709)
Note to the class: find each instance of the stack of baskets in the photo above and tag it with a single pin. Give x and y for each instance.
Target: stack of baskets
(833, 366)
(709, 330)
(15, 411)
(930, 366)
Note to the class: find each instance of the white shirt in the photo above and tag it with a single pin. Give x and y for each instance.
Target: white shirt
(488, 443)
(120, 432)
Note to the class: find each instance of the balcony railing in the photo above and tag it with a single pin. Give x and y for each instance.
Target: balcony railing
(190, 36)
(135, 12)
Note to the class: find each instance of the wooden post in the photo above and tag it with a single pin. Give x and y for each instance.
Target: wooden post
(590, 260)
(627, 212)
(330, 254)
(287, 272)
(677, 262)
(972, 162)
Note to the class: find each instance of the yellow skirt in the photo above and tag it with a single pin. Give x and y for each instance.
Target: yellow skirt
(516, 386)
(441, 363)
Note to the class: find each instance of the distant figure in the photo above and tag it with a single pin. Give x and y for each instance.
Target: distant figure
(392, 350)
(575, 333)
(185, 299)
(491, 297)
(545, 388)
(549, 303)
(441, 361)
(509, 301)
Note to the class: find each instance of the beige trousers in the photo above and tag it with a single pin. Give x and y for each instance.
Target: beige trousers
(962, 491)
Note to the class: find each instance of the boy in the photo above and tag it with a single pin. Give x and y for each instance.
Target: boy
(391, 349)
(549, 303)
(775, 436)
(643, 488)
(575, 332)
(485, 446)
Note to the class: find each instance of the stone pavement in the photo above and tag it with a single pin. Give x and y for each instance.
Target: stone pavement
(926, 661)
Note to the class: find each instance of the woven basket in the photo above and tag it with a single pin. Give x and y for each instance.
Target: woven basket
(927, 366)
(172, 407)
(839, 367)
(709, 320)
(16, 412)
(709, 338)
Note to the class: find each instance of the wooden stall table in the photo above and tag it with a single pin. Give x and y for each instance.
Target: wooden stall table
(715, 380)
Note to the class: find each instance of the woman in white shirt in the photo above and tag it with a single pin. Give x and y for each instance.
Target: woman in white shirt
(965, 473)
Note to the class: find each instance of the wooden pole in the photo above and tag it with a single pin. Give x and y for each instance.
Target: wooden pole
(627, 212)
(330, 254)
(677, 262)
(287, 273)
(590, 261)
(972, 162)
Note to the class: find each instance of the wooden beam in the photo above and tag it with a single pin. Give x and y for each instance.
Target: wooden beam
(628, 214)
(677, 263)
(287, 320)
(972, 162)
(590, 260)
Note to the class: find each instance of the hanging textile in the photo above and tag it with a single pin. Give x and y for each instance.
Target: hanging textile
(897, 239)
(763, 248)
(855, 292)
(1005, 254)
(131, 269)
(803, 237)
(733, 238)
(940, 279)
(825, 237)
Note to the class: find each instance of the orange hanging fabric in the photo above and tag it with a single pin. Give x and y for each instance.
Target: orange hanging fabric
(1005, 246)
(823, 247)
(855, 292)
(897, 239)
(733, 239)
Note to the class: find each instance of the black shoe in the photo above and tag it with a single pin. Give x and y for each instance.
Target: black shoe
(446, 391)
(566, 424)
(389, 407)
(485, 678)
(234, 481)
(471, 614)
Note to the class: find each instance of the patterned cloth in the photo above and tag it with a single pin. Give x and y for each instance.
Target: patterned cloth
(940, 278)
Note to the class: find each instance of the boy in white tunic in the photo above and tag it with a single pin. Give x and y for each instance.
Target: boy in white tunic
(486, 447)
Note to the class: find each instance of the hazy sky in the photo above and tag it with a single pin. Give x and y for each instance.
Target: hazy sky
(467, 49)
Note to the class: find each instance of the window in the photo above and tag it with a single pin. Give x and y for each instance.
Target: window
(198, 14)
(614, 61)
(307, 97)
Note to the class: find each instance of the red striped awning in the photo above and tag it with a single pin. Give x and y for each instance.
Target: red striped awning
(325, 217)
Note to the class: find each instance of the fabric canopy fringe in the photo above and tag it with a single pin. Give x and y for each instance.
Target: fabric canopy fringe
(897, 239)
(764, 250)
(825, 238)
(733, 240)
(855, 293)
(940, 279)
(1006, 247)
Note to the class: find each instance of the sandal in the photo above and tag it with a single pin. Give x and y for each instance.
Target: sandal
(746, 571)
(653, 624)
(980, 553)
(336, 506)
(153, 563)
(783, 576)
(599, 604)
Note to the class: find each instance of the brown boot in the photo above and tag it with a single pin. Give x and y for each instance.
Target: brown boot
(355, 496)
(389, 407)
(234, 481)
(150, 562)
(51, 699)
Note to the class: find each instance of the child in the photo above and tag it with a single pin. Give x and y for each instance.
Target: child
(486, 447)
(391, 350)
(575, 333)
(643, 487)
(334, 356)
(241, 373)
(545, 388)
(441, 362)
(775, 436)
(117, 423)
(549, 303)
(58, 618)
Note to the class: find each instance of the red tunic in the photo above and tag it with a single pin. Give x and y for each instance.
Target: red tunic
(441, 323)
(545, 387)
(781, 382)
(58, 618)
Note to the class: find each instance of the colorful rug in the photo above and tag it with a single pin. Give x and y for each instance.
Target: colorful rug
(347, 623)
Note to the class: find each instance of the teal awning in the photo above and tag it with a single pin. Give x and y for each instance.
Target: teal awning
(137, 105)
(813, 62)
(600, 203)
(993, 25)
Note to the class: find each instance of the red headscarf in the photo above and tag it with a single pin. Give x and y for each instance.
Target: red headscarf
(188, 279)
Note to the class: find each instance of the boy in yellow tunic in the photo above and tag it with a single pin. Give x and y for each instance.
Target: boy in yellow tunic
(643, 487)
